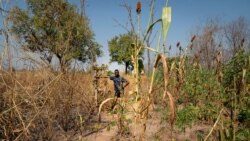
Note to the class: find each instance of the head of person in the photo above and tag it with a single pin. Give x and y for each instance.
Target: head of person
(117, 73)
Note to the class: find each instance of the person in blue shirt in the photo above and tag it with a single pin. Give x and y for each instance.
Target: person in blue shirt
(119, 83)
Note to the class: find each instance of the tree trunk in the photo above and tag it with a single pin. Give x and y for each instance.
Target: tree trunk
(126, 67)
(62, 63)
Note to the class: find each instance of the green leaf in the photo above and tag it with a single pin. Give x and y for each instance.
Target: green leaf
(166, 20)
(151, 27)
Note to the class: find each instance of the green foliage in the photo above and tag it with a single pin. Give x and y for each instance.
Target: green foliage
(200, 85)
(186, 116)
(121, 49)
(109, 73)
(235, 84)
(54, 28)
(200, 93)
(243, 134)
(122, 121)
(244, 112)
(233, 71)
(199, 96)
(159, 76)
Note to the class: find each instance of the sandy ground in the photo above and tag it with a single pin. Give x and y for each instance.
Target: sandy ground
(156, 131)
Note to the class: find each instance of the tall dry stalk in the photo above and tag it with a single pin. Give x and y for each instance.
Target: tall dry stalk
(162, 58)
(143, 102)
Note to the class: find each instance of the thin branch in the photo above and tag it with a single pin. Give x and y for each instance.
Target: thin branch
(129, 10)
(121, 25)
(3, 10)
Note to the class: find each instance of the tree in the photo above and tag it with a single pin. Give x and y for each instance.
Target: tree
(237, 34)
(207, 43)
(4, 32)
(121, 49)
(54, 28)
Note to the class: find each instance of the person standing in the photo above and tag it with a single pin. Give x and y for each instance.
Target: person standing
(119, 83)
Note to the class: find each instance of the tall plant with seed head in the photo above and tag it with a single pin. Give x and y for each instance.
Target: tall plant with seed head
(144, 101)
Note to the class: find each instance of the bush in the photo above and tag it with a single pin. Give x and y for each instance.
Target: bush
(187, 116)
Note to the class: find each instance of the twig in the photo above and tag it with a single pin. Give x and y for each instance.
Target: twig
(121, 25)
(129, 10)
(40, 110)
(33, 103)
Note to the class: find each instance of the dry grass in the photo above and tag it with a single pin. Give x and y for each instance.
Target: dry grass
(36, 104)
(42, 104)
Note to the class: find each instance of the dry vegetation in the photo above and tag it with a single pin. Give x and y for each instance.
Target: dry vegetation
(51, 105)
(200, 94)
(37, 104)
(47, 105)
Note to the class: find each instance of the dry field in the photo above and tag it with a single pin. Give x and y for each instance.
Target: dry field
(39, 104)
(45, 105)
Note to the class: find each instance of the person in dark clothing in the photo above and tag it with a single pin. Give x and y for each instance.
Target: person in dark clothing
(119, 83)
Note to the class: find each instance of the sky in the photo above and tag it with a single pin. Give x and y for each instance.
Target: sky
(186, 16)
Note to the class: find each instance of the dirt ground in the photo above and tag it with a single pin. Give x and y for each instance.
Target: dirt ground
(156, 130)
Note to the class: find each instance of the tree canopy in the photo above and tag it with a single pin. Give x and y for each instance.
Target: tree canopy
(121, 49)
(54, 28)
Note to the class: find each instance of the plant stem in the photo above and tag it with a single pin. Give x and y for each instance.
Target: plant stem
(214, 125)
(153, 74)
(137, 50)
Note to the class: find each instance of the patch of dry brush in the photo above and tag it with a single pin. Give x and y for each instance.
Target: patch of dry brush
(38, 104)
